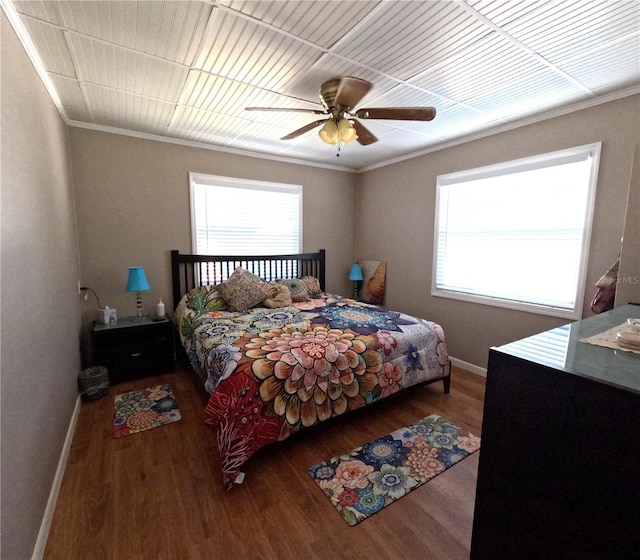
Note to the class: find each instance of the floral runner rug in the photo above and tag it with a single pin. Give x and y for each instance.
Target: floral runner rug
(363, 481)
(137, 411)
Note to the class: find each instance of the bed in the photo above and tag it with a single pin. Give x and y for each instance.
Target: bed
(297, 357)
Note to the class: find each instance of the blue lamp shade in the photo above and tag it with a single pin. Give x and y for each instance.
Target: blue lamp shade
(137, 281)
(355, 273)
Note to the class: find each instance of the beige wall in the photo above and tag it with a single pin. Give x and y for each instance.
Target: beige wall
(396, 208)
(628, 288)
(132, 197)
(40, 315)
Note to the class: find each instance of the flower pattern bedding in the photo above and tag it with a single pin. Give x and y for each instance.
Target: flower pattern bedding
(272, 372)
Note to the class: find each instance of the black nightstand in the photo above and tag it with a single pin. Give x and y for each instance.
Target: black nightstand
(133, 348)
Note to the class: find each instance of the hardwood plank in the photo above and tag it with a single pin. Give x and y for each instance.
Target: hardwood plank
(158, 495)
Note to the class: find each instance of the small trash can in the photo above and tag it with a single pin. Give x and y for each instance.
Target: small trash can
(93, 383)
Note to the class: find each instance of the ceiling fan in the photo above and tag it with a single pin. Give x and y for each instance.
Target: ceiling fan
(339, 98)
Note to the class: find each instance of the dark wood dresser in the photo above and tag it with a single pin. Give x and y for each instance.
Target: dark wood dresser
(559, 465)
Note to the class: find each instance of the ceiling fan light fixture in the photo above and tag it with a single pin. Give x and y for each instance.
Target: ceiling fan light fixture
(339, 97)
(346, 132)
(329, 132)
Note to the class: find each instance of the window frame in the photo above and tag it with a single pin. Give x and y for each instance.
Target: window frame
(236, 182)
(587, 151)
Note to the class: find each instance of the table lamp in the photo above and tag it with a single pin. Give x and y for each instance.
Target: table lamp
(355, 274)
(137, 282)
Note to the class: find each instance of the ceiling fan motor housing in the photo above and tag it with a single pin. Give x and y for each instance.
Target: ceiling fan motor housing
(328, 91)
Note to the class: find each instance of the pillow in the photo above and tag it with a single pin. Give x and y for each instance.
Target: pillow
(242, 290)
(297, 288)
(205, 299)
(201, 300)
(312, 284)
(278, 295)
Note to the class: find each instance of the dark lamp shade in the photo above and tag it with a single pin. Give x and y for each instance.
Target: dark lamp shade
(355, 273)
(137, 281)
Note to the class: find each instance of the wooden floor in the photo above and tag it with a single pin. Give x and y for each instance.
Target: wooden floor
(158, 494)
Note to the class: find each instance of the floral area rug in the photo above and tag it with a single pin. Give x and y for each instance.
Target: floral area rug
(137, 411)
(369, 478)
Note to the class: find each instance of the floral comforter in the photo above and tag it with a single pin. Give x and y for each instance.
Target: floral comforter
(272, 372)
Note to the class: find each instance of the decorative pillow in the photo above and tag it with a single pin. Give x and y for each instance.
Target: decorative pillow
(205, 299)
(242, 290)
(199, 301)
(278, 295)
(297, 288)
(312, 284)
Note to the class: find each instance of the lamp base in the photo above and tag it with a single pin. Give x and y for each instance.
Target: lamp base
(355, 290)
(139, 315)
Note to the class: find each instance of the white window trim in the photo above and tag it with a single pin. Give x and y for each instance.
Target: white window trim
(233, 182)
(533, 162)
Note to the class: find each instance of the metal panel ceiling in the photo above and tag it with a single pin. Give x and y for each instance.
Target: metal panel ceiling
(321, 22)
(419, 35)
(186, 70)
(126, 70)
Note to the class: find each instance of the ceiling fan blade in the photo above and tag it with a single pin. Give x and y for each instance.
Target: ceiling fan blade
(365, 137)
(305, 128)
(398, 113)
(285, 109)
(351, 91)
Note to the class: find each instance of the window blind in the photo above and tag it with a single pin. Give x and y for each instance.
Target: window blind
(237, 217)
(516, 234)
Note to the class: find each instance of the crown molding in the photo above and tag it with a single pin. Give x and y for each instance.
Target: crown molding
(551, 114)
(203, 146)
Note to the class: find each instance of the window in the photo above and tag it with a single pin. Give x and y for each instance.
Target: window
(516, 234)
(243, 217)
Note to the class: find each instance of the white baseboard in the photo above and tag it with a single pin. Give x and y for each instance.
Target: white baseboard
(45, 526)
(469, 367)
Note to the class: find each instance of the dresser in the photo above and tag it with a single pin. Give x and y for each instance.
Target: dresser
(559, 464)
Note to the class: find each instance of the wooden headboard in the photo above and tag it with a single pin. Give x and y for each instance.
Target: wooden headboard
(189, 271)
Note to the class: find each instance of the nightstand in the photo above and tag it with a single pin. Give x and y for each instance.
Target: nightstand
(134, 347)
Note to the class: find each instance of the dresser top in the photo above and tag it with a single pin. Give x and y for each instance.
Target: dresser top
(561, 348)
